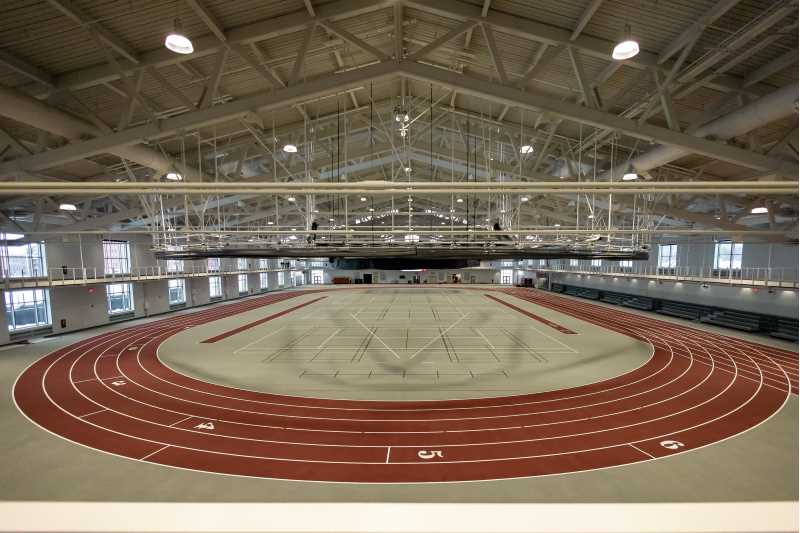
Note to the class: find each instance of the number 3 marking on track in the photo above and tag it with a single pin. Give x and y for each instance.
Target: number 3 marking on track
(672, 444)
(205, 425)
(425, 454)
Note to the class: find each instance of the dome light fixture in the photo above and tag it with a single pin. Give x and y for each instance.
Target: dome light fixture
(174, 175)
(270, 223)
(627, 47)
(363, 198)
(291, 199)
(523, 199)
(526, 149)
(630, 176)
(760, 210)
(460, 200)
(290, 148)
(176, 41)
(68, 207)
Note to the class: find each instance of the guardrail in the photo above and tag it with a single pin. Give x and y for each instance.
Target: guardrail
(751, 276)
(66, 276)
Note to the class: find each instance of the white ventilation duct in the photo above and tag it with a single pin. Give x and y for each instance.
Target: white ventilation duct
(774, 106)
(28, 110)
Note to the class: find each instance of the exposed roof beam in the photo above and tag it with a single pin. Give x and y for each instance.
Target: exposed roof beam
(598, 118)
(552, 35)
(210, 44)
(708, 18)
(436, 43)
(322, 86)
(75, 13)
(586, 16)
(494, 54)
(25, 68)
(773, 67)
(209, 19)
(352, 39)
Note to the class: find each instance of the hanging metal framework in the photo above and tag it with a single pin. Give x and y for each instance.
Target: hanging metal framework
(432, 126)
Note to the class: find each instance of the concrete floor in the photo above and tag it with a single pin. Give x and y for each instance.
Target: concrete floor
(759, 465)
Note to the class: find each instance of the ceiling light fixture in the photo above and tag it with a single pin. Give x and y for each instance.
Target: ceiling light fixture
(556, 225)
(270, 223)
(523, 199)
(176, 41)
(759, 210)
(67, 207)
(174, 175)
(290, 148)
(525, 149)
(291, 199)
(630, 176)
(627, 48)
(460, 200)
(363, 198)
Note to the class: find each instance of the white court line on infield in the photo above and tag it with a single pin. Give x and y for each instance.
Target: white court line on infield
(373, 334)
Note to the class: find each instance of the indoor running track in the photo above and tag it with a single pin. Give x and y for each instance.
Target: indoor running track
(111, 393)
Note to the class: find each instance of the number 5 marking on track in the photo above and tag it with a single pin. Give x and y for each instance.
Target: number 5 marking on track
(205, 425)
(430, 454)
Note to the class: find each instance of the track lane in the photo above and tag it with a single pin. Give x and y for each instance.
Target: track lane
(683, 391)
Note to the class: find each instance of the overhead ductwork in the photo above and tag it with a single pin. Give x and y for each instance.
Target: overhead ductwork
(774, 106)
(28, 110)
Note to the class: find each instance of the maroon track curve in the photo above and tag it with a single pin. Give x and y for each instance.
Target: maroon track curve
(111, 393)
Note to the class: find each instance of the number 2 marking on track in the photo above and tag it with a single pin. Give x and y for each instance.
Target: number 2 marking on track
(205, 425)
(672, 444)
(430, 454)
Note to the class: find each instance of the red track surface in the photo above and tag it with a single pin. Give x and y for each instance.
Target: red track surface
(111, 393)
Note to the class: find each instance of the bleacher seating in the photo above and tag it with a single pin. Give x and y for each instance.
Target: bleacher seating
(782, 328)
(639, 302)
(734, 319)
(683, 310)
(785, 328)
(614, 298)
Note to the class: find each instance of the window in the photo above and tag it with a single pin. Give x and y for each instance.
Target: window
(27, 309)
(542, 262)
(596, 262)
(241, 263)
(281, 278)
(117, 257)
(242, 283)
(213, 264)
(215, 287)
(573, 262)
(506, 276)
(177, 291)
(23, 260)
(667, 255)
(263, 263)
(728, 255)
(626, 263)
(316, 277)
(507, 263)
(174, 265)
(263, 280)
(119, 297)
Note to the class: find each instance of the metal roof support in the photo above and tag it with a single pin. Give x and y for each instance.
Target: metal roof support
(25, 109)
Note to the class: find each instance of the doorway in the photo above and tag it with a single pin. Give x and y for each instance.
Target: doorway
(368, 278)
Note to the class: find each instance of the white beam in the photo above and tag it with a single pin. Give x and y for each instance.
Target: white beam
(436, 43)
(773, 67)
(595, 117)
(585, 17)
(708, 18)
(352, 39)
(75, 13)
(25, 68)
(494, 54)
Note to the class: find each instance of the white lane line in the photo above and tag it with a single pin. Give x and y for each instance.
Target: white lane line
(442, 334)
(373, 334)
(641, 450)
(180, 421)
(153, 453)
(388, 452)
(246, 346)
(331, 336)
(478, 331)
(93, 413)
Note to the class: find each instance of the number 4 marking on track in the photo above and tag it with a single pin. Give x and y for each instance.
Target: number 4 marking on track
(205, 425)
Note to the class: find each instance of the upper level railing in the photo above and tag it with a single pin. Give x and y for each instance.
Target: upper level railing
(750, 276)
(65, 276)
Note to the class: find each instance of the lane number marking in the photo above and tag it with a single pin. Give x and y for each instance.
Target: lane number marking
(672, 444)
(118, 383)
(430, 454)
(205, 425)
